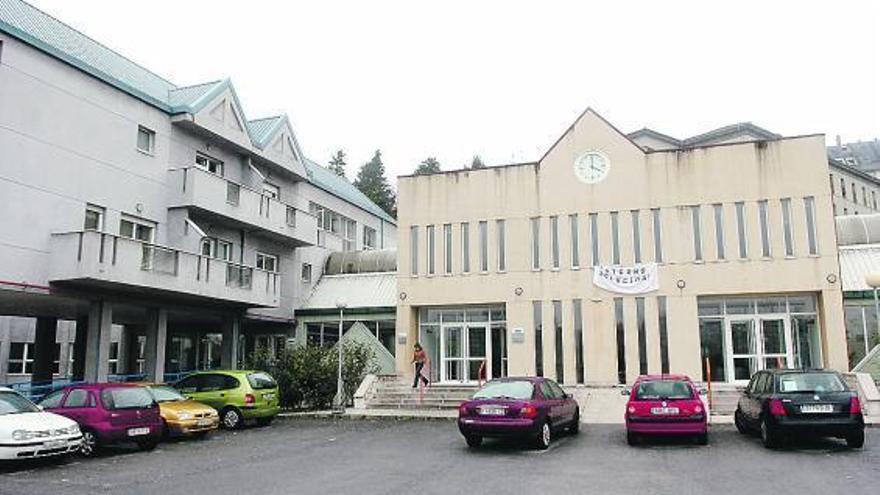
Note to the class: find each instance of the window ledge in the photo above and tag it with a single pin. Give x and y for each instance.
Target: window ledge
(766, 258)
(145, 152)
(500, 272)
(484, 273)
(791, 257)
(554, 269)
(576, 268)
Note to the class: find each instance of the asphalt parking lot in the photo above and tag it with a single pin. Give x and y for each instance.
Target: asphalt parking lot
(427, 457)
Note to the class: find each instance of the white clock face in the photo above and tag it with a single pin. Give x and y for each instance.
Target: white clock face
(592, 167)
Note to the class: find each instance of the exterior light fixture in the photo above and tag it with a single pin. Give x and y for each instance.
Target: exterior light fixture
(681, 284)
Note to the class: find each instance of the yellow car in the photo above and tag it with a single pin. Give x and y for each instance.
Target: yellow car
(182, 416)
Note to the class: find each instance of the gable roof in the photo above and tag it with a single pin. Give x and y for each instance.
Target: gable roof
(729, 131)
(262, 129)
(651, 133)
(327, 180)
(864, 155)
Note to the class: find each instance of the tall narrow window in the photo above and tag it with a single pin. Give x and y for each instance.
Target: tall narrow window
(741, 229)
(658, 236)
(855, 196)
(536, 243)
(637, 236)
(621, 340)
(643, 338)
(429, 244)
(557, 325)
(664, 337)
(697, 232)
(502, 241)
(539, 340)
(578, 339)
(484, 246)
(719, 230)
(615, 238)
(874, 199)
(414, 249)
(831, 178)
(864, 196)
(786, 226)
(554, 241)
(575, 244)
(465, 247)
(594, 236)
(447, 248)
(146, 140)
(764, 222)
(810, 210)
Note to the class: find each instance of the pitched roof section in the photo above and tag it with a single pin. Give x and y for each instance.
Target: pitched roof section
(729, 132)
(186, 97)
(651, 133)
(362, 290)
(864, 155)
(262, 129)
(325, 179)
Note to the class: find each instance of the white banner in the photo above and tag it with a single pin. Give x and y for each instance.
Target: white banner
(636, 279)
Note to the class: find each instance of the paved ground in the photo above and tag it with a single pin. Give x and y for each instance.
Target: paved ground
(426, 457)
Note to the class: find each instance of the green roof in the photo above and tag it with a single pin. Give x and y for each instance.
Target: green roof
(327, 180)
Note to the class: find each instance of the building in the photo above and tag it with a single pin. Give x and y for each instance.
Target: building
(148, 227)
(859, 240)
(616, 255)
(855, 168)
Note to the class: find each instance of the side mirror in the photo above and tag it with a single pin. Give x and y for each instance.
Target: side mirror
(625, 392)
(703, 391)
(568, 396)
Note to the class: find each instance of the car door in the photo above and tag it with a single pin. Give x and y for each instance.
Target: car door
(553, 404)
(77, 405)
(567, 406)
(756, 397)
(212, 390)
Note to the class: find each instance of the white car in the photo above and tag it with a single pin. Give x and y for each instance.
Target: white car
(27, 432)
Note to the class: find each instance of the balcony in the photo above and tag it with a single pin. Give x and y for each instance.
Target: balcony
(193, 187)
(98, 260)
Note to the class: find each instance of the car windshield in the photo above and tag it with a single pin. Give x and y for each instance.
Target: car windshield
(13, 403)
(166, 394)
(521, 390)
(126, 398)
(663, 389)
(261, 380)
(810, 383)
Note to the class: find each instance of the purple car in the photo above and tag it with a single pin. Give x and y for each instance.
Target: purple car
(531, 408)
(108, 413)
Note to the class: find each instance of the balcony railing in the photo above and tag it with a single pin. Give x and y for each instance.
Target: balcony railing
(89, 256)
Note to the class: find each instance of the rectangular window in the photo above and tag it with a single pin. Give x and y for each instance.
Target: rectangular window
(447, 248)
(554, 241)
(831, 179)
(21, 359)
(741, 229)
(271, 190)
(136, 229)
(539, 342)
(855, 196)
(864, 196)
(786, 226)
(484, 245)
(557, 325)
(349, 234)
(764, 222)
(643, 338)
(697, 232)
(146, 140)
(719, 230)
(637, 236)
(306, 272)
(664, 337)
(290, 216)
(842, 187)
(212, 165)
(94, 219)
(502, 242)
(465, 247)
(414, 250)
(615, 238)
(113, 359)
(578, 339)
(575, 244)
(536, 243)
(268, 262)
(594, 237)
(658, 236)
(621, 340)
(810, 210)
(874, 199)
(429, 245)
(369, 241)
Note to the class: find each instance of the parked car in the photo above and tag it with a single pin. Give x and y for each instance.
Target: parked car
(237, 395)
(665, 405)
(109, 413)
(782, 403)
(531, 408)
(183, 417)
(27, 432)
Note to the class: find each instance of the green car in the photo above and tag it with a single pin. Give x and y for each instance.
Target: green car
(238, 395)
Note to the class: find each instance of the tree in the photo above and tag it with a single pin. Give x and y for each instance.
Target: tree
(429, 165)
(477, 162)
(372, 182)
(337, 163)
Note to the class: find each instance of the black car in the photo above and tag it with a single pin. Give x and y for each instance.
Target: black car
(781, 404)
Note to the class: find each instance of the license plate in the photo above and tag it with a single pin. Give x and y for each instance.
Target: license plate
(493, 411)
(204, 422)
(664, 411)
(817, 408)
(268, 396)
(134, 432)
(54, 444)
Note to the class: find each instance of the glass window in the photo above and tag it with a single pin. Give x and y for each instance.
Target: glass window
(77, 398)
(136, 229)
(786, 226)
(369, 240)
(594, 237)
(643, 335)
(261, 380)
(557, 337)
(769, 305)
(212, 165)
(764, 222)
(810, 383)
(664, 335)
(663, 389)
(414, 250)
(52, 400)
(502, 242)
(719, 230)
(146, 140)
(615, 238)
(126, 398)
(637, 236)
(429, 245)
(12, 403)
(484, 246)
(710, 307)
(658, 238)
(741, 229)
(554, 241)
(696, 232)
(465, 247)
(575, 245)
(538, 322)
(306, 275)
(843, 187)
(521, 390)
(712, 349)
(271, 190)
(739, 306)
(621, 340)
(21, 358)
(807, 353)
(447, 248)
(94, 219)
(268, 262)
(233, 193)
(578, 319)
(810, 211)
(536, 243)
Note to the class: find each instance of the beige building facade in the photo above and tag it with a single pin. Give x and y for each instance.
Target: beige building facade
(496, 266)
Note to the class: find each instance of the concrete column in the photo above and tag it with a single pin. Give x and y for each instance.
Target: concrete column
(229, 352)
(98, 341)
(44, 347)
(154, 348)
(79, 348)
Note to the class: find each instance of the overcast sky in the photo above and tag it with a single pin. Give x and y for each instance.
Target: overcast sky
(504, 79)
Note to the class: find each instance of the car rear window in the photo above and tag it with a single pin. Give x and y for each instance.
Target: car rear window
(664, 389)
(521, 390)
(261, 380)
(166, 394)
(12, 403)
(126, 398)
(810, 383)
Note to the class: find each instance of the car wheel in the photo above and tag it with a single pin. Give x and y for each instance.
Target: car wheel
(740, 423)
(473, 441)
(89, 446)
(230, 418)
(632, 439)
(575, 423)
(769, 436)
(265, 421)
(856, 440)
(201, 435)
(147, 445)
(543, 440)
(703, 439)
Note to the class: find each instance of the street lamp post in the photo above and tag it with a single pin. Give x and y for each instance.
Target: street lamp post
(873, 281)
(341, 303)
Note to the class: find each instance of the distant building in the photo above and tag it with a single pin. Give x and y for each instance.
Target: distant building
(854, 172)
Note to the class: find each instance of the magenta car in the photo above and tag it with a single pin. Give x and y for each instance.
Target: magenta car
(528, 408)
(108, 413)
(665, 405)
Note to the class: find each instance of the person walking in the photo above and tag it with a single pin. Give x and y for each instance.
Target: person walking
(420, 358)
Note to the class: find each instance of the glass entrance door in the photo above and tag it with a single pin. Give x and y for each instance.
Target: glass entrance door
(743, 352)
(757, 344)
(476, 352)
(464, 349)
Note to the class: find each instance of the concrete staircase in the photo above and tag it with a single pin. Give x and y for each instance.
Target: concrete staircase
(395, 392)
(724, 399)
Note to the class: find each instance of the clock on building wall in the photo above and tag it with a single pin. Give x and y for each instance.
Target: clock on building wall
(592, 167)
